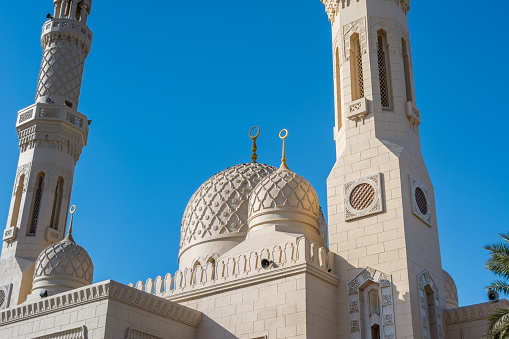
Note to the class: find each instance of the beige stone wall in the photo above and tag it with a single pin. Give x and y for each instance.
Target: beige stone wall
(297, 306)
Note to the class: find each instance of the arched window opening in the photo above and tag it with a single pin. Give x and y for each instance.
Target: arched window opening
(17, 201)
(338, 90)
(356, 73)
(57, 204)
(213, 273)
(375, 332)
(36, 204)
(383, 69)
(194, 278)
(406, 66)
(432, 312)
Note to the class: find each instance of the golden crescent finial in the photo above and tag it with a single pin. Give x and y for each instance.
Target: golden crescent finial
(72, 210)
(254, 137)
(283, 159)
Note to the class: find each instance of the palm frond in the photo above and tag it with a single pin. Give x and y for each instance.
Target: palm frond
(498, 324)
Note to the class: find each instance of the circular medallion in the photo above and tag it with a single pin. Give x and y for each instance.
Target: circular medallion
(362, 196)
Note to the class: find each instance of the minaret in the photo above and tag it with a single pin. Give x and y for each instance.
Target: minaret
(52, 134)
(381, 202)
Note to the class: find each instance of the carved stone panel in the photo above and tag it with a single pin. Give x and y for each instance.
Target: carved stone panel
(363, 197)
(421, 204)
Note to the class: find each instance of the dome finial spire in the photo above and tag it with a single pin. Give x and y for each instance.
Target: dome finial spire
(283, 159)
(69, 233)
(254, 156)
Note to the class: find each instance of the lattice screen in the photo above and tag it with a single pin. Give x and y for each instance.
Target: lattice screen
(360, 74)
(37, 205)
(382, 71)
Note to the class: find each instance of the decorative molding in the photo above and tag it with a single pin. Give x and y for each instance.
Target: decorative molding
(106, 290)
(473, 312)
(10, 234)
(354, 287)
(135, 334)
(357, 110)
(363, 197)
(5, 296)
(53, 235)
(377, 23)
(424, 279)
(75, 333)
(421, 203)
(359, 27)
(413, 114)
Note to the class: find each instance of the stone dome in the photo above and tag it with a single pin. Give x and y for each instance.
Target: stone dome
(286, 198)
(216, 215)
(451, 292)
(62, 266)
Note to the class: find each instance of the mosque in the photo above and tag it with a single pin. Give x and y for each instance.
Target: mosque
(257, 258)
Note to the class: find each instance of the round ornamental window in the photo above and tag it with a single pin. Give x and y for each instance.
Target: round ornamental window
(420, 199)
(362, 196)
(2, 297)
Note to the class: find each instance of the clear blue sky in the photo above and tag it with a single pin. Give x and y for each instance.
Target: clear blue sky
(173, 88)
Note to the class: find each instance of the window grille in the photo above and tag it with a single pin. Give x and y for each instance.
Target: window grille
(360, 75)
(382, 71)
(37, 205)
(17, 201)
(57, 202)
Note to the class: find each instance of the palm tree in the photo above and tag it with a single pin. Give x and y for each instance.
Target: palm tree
(498, 264)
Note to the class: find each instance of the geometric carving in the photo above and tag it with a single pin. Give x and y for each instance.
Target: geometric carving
(25, 116)
(361, 281)
(5, 295)
(75, 333)
(357, 109)
(420, 201)
(53, 235)
(359, 27)
(10, 234)
(363, 197)
(424, 279)
(219, 208)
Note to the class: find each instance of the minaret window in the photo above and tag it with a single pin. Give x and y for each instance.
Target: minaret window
(406, 66)
(17, 201)
(338, 90)
(36, 205)
(383, 69)
(356, 73)
(57, 204)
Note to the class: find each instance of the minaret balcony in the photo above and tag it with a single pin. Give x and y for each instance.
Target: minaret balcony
(52, 113)
(357, 110)
(413, 114)
(68, 26)
(10, 234)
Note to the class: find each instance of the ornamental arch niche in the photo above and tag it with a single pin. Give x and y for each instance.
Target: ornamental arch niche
(370, 305)
(429, 302)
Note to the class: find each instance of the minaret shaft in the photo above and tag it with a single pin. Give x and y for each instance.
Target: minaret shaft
(52, 134)
(381, 202)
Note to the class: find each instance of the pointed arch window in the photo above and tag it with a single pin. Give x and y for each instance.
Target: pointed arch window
(338, 90)
(356, 72)
(17, 201)
(57, 204)
(36, 204)
(406, 67)
(383, 69)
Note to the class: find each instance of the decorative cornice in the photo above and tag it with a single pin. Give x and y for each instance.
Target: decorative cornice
(333, 6)
(473, 312)
(106, 290)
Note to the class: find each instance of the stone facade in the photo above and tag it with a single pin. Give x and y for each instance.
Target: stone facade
(257, 258)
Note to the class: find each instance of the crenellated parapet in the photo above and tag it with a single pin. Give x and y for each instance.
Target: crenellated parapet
(289, 258)
(332, 7)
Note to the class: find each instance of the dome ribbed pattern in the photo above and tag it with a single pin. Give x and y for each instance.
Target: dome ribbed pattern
(65, 258)
(284, 189)
(220, 206)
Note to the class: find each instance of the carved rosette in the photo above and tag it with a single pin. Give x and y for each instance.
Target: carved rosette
(363, 197)
(421, 203)
(360, 281)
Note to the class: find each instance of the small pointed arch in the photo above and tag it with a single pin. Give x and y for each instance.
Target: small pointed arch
(57, 203)
(406, 69)
(36, 204)
(339, 122)
(17, 200)
(356, 71)
(384, 73)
